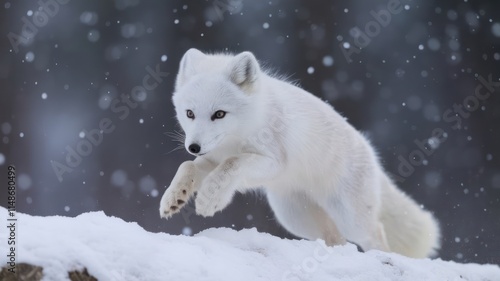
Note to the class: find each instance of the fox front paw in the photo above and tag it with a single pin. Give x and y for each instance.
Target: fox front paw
(173, 200)
(205, 208)
(209, 204)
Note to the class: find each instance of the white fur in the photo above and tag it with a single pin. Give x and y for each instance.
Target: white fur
(321, 176)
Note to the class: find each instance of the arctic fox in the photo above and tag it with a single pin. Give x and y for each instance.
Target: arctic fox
(321, 176)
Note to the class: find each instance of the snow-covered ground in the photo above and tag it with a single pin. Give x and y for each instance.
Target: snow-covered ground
(112, 249)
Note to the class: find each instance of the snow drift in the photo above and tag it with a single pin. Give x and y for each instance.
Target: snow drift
(112, 249)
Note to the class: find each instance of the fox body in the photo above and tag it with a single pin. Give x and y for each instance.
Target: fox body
(322, 178)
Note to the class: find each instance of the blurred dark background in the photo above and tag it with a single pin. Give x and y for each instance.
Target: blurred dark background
(62, 77)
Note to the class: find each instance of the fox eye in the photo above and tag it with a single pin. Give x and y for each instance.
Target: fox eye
(190, 114)
(219, 114)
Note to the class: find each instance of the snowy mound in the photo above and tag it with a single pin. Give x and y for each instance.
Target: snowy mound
(112, 249)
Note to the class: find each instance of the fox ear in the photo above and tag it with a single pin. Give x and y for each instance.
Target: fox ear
(187, 65)
(244, 69)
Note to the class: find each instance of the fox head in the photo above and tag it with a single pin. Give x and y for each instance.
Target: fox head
(215, 98)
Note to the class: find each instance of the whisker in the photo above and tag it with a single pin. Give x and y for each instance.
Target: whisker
(176, 136)
(178, 147)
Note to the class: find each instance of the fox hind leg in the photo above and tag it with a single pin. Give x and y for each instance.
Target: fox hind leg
(358, 221)
(303, 217)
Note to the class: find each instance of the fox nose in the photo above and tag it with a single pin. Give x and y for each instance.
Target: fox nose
(194, 148)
